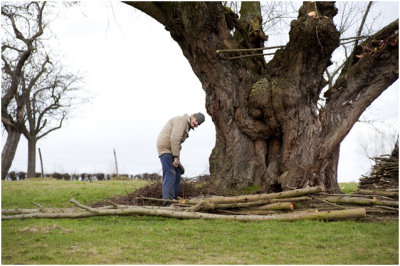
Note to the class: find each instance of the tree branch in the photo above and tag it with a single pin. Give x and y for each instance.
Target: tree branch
(248, 50)
(360, 30)
(150, 8)
(52, 129)
(16, 73)
(360, 84)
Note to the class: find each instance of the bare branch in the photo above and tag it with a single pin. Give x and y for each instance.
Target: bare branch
(150, 8)
(248, 50)
(360, 30)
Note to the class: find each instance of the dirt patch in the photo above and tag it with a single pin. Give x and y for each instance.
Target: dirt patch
(187, 190)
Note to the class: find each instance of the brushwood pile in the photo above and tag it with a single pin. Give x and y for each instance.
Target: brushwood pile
(384, 174)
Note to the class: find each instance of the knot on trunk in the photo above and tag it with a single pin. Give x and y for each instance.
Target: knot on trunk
(260, 104)
(269, 97)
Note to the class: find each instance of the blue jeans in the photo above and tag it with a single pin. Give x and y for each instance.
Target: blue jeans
(171, 177)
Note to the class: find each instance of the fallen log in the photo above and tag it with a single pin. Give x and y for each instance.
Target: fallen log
(279, 206)
(207, 205)
(272, 208)
(41, 210)
(379, 193)
(248, 212)
(50, 210)
(259, 202)
(164, 212)
(49, 215)
(361, 201)
(258, 197)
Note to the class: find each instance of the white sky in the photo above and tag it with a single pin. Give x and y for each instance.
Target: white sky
(140, 79)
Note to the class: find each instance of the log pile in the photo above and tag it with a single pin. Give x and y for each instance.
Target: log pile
(384, 174)
(299, 204)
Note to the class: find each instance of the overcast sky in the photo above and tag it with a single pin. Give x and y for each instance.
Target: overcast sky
(139, 79)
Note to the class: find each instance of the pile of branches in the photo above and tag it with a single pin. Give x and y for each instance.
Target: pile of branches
(144, 195)
(384, 174)
(299, 204)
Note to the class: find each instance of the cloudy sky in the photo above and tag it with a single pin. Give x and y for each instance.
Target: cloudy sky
(139, 79)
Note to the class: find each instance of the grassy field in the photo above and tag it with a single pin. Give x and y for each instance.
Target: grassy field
(155, 240)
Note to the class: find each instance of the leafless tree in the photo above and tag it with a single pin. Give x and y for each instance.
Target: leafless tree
(23, 26)
(48, 101)
(37, 93)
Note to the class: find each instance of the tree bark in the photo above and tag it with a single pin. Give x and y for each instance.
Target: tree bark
(269, 130)
(31, 171)
(9, 149)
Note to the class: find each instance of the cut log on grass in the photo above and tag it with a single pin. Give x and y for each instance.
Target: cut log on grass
(379, 193)
(49, 215)
(259, 202)
(164, 212)
(259, 197)
(51, 210)
(361, 201)
(209, 205)
(41, 210)
(279, 206)
(248, 212)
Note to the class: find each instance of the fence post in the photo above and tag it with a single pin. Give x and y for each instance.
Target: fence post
(41, 162)
(116, 163)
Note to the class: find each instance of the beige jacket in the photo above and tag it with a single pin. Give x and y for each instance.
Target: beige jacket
(174, 133)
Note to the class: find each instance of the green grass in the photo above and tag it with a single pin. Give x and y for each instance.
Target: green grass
(57, 193)
(156, 240)
(348, 187)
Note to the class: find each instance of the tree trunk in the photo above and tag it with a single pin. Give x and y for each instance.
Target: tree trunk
(31, 172)
(269, 130)
(9, 149)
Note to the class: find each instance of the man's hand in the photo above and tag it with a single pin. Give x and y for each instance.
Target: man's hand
(176, 162)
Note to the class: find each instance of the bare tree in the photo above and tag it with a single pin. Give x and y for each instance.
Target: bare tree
(269, 129)
(44, 94)
(22, 27)
(48, 101)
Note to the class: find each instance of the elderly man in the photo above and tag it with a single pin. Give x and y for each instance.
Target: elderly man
(174, 133)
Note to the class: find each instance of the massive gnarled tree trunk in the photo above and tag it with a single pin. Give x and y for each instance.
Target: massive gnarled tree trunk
(269, 130)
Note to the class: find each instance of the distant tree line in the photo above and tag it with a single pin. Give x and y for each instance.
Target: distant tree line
(14, 176)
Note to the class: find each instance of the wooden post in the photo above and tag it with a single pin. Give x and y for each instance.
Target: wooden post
(116, 163)
(41, 163)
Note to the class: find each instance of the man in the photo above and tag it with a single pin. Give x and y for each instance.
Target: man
(174, 133)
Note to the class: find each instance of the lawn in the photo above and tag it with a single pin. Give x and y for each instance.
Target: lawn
(156, 240)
